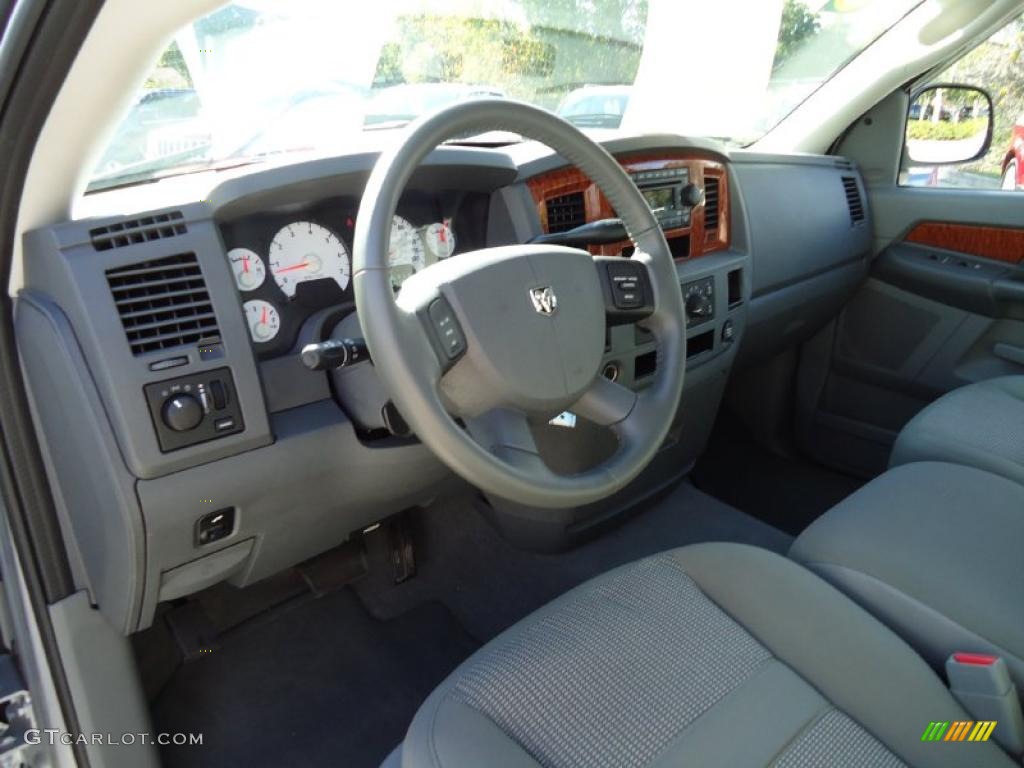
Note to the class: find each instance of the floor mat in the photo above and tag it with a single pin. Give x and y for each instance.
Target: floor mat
(787, 493)
(489, 585)
(315, 683)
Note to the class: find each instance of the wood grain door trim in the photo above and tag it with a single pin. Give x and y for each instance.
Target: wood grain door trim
(1000, 243)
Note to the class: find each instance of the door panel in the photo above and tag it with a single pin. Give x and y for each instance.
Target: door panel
(943, 307)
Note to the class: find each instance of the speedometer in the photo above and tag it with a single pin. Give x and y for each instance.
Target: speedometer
(305, 251)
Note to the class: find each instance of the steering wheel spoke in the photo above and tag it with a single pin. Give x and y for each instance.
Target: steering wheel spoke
(606, 403)
(423, 303)
(505, 433)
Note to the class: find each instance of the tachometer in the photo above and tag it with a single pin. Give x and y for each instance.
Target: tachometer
(406, 246)
(305, 251)
(263, 319)
(440, 239)
(405, 251)
(248, 269)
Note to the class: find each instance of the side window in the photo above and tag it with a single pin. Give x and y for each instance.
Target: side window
(952, 122)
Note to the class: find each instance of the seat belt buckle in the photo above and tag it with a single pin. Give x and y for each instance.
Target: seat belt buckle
(982, 684)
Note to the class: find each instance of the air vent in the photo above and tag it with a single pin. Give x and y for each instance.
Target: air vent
(843, 164)
(135, 231)
(853, 200)
(163, 303)
(566, 212)
(710, 203)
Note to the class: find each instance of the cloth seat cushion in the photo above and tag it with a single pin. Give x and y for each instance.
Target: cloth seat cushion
(980, 425)
(934, 551)
(709, 655)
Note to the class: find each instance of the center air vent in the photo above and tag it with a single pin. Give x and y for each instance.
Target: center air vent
(566, 212)
(163, 303)
(853, 201)
(710, 203)
(135, 231)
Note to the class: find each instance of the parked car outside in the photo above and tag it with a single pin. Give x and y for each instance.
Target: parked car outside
(1013, 162)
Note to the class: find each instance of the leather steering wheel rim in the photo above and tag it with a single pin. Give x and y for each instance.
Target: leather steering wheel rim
(414, 373)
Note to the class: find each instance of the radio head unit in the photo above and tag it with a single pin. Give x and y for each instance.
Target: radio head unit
(663, 190)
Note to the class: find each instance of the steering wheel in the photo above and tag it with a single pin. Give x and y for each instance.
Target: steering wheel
(472, 346)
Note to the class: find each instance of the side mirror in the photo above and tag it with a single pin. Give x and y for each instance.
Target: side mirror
(948, 124)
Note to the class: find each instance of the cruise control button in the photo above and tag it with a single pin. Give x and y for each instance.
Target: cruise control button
(625, 282)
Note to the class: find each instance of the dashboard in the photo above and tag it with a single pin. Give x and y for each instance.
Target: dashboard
(688, 191)
(164, 344)
(291, 262)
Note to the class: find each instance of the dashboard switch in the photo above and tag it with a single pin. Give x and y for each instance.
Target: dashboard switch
(182, 413)
(192, 409)
(220, 395)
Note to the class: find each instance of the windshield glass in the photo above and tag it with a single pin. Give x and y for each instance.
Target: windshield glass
(263, 77)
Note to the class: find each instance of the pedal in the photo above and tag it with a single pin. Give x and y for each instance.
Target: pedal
(192, 631)
(400, 540)
(335, 568)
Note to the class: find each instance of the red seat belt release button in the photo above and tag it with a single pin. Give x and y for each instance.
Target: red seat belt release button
(982, 684)
(981, 659)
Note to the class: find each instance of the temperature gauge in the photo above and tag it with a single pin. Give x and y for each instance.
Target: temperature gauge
(440, 239)
(248, 269)
(263, 319)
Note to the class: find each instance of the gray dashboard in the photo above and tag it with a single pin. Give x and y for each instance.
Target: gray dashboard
(120, 314)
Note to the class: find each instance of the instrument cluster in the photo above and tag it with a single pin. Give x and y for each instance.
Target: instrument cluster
(288, 265)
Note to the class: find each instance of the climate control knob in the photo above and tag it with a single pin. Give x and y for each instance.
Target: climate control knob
(182, 412)
(698, 305)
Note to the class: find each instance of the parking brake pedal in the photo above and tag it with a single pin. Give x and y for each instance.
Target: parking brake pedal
(403, 556)
(192, 630)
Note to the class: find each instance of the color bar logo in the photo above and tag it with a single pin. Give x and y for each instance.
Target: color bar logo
(959, 730)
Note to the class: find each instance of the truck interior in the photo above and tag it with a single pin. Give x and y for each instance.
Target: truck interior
(578, 383)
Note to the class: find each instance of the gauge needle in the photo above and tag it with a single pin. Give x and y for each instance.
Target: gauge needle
(292, 268)
(245, 265)
(263, 317)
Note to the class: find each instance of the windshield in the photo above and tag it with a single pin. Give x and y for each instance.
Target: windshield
(263, 77)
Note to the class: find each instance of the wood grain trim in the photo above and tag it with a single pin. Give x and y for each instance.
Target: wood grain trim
(999, 243)
(569, 180)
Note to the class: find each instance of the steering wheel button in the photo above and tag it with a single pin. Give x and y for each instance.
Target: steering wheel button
(447, 328)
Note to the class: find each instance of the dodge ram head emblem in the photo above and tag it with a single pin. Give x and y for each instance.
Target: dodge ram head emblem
(544, 300)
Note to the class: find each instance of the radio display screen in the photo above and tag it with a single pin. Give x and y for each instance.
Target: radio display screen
(662, 197)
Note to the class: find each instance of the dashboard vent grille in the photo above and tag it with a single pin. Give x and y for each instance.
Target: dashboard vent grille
(710, 203)
(566, 212)
(163, 303)
(844, 165)
(853, 201)
(135, 231)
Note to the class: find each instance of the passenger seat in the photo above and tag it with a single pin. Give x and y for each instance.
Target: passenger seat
(980, 425)
(934, 551)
